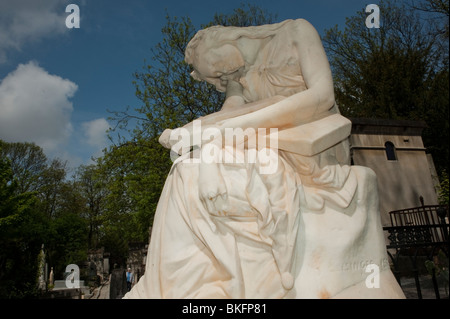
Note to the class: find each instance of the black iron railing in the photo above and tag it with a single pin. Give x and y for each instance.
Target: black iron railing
(418, 232)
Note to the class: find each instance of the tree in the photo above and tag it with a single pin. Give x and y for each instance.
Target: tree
(67, 242)
(38, 205)
(51, 189)
(440, 11)
(22, 231)
(399, 71)
(134, 174)
(93, 191)
(28, 161)
(136, 168)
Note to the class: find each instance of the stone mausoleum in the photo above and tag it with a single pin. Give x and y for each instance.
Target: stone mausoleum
(395, 151)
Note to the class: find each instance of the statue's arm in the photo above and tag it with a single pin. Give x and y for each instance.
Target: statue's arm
(235, 106)
(279, 112)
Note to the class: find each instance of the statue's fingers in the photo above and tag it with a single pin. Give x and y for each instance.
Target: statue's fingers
(164, 138)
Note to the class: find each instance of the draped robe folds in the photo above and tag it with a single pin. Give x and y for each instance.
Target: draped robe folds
(307, 230)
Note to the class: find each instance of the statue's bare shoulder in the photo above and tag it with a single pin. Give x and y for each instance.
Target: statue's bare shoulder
(302, 29)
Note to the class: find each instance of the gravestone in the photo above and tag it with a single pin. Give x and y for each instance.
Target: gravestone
(118, 284)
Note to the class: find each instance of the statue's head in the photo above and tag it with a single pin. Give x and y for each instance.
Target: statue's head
(213, 59)
(214, 54)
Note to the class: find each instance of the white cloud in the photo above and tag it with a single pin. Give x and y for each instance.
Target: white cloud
(35, 107)
(25, 21)
(95, 133)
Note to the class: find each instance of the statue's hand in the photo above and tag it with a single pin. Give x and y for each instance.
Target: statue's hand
(212, 190)
(164, 139)
(186, 136)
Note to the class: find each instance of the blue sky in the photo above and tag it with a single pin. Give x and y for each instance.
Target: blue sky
(56, 84)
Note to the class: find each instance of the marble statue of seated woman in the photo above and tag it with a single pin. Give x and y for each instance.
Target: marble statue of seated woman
(308, 227)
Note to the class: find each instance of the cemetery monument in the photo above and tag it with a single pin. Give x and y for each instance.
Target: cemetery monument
(261, 200)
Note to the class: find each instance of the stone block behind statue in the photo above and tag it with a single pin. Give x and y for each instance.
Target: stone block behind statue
(228, 227)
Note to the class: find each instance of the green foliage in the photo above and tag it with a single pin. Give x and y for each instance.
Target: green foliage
(38, 205)
(27, 163)
(22, 231)
(117, 246)
(92, 190)
(134, 174)
(67, 243)
(52, 190)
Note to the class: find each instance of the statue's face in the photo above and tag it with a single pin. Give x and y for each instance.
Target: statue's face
(218, 65)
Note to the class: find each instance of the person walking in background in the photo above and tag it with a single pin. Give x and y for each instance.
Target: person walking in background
(130, 279)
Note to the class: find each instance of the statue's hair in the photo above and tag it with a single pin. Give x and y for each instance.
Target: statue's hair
(220, 35)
